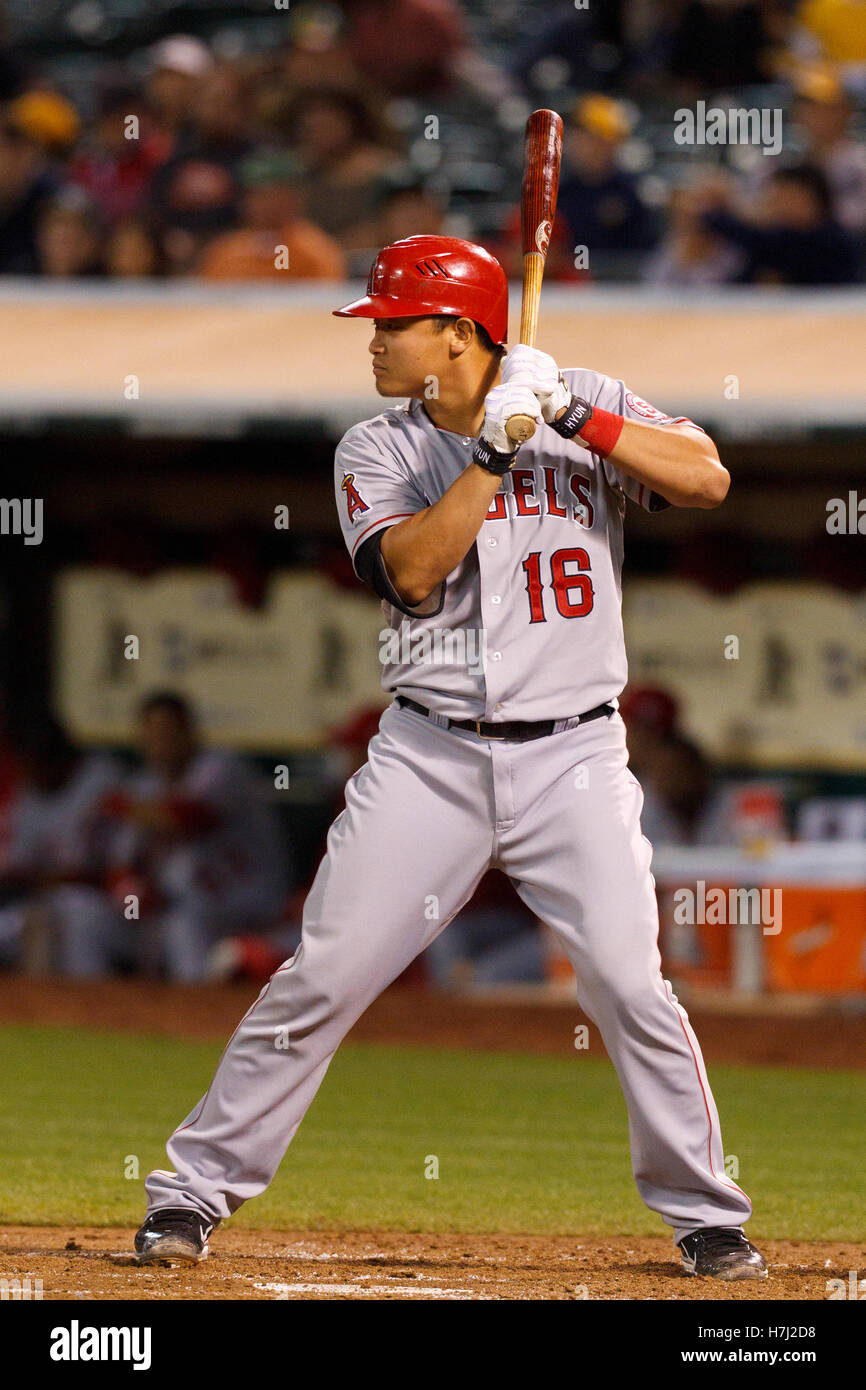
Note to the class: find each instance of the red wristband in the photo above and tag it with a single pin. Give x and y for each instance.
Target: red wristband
(601, 431)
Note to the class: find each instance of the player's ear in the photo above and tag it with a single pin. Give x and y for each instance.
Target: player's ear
(462, 335)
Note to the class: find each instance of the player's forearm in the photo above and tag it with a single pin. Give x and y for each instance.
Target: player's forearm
(422, 550)
(680, 463)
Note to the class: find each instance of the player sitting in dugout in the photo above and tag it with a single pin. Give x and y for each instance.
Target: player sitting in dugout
(198, 847)
(55, 914)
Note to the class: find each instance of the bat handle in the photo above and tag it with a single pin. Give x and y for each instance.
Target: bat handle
(519, 428)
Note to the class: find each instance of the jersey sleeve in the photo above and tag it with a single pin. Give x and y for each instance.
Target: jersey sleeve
(615, 396)
(373, 492)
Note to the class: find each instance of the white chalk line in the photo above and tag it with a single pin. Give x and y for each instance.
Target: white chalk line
(367, 1290)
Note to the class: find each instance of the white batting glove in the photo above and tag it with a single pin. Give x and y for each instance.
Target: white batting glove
(526, 366)
(513, 398)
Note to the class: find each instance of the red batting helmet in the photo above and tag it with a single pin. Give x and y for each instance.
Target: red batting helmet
(435, 275)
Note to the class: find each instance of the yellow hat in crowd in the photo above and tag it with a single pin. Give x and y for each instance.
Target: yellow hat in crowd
(819, 82)
(45, 117)
(602, 115)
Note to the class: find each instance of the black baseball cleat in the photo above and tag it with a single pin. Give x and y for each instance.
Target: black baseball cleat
(722, 1252)
(173, 1233)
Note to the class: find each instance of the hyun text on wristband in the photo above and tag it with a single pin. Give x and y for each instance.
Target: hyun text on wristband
(492, 462)
(599, 429)
(577, 412)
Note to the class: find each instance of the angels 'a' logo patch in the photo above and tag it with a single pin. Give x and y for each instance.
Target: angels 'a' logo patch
(642, 407)
(355, 504)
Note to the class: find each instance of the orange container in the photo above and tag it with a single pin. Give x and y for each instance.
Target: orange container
(821, 948)
(699, 953)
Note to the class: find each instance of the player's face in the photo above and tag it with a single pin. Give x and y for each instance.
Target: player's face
(166, 740)
(406, 353)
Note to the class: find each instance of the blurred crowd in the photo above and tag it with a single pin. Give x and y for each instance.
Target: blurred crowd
(362, 121)
(176, 865)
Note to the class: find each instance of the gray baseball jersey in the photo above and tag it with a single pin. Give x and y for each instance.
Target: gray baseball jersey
(541, 585)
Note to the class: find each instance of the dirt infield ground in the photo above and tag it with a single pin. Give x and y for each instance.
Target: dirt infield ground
(95, 1264)
(416, 1016)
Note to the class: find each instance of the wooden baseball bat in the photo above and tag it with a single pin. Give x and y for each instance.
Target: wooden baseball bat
(542, 156)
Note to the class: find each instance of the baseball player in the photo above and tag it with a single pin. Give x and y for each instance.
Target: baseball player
(198, 835)
(55, 915)
(515, 760)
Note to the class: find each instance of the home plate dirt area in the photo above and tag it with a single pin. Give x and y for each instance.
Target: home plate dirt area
(96, 1264)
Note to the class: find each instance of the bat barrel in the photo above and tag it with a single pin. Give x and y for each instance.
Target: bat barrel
(542, 155)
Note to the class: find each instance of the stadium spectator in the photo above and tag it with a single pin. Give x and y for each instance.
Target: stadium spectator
(195, 195)
(797, 241)
(411, 208)
(69, 236)
(55, 915)
(599, 201)
(219, 119)
(200, 200)
(820, 128)
(325, 91)
(273, 241)
(27, 181)
(133, 250)
(46, 118)
(406, 205)
(38, 130)
(315, 55)
(118, 160)
(834, 30)
(405, 47)
(689, 253)
(193, 199)
(216, 132)
(176, 66)
(823, 114)
(344, 151)
(198, 843)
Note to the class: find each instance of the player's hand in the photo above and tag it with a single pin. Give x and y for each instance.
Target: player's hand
(512, 398)
(526, 366)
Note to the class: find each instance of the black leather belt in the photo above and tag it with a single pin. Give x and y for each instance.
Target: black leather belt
(517, 731)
